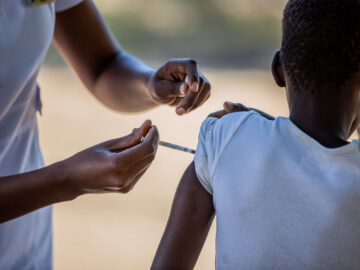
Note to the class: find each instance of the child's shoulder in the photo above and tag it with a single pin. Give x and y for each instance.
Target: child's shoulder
(229, 124)
(216, 134)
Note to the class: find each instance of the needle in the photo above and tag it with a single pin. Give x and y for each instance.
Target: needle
(177, 147)
(174, 146)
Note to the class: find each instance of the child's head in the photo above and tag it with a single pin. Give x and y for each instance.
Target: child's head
(319, 58)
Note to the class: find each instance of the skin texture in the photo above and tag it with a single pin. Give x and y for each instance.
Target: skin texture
(230, 107)
(118, 79)
(112, 166)
(123, 83)
(329, 120)
(190, 219)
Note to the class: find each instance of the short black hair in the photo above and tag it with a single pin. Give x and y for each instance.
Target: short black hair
(321, 43)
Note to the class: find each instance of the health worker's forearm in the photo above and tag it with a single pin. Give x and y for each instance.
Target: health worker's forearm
(23, 193)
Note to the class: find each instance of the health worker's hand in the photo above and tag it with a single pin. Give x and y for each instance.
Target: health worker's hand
(112, 166)
(230, 107)
(178, 83)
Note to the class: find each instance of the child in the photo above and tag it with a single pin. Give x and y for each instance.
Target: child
(286, 192)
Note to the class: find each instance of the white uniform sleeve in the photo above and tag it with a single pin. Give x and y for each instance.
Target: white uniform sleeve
(62, 5)
(215, 135)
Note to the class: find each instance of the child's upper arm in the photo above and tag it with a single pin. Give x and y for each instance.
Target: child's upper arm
(192, 210)
(215, 134)
(188, 225)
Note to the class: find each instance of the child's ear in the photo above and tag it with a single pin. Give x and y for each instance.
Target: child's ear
(277, 70)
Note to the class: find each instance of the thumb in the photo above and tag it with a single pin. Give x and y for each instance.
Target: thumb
(134, 138)
(168, 89)
(234, 107)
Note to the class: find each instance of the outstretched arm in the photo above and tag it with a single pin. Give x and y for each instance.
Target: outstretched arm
(190, 219)
(118, 79)
(112, 166)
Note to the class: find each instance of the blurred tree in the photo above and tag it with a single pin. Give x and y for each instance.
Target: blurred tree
(220, 33)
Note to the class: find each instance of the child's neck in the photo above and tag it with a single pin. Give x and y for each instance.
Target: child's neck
(328, 121)
(326, 136)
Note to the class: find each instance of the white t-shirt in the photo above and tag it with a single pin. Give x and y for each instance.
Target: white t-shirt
(25, 36)
(282, 200)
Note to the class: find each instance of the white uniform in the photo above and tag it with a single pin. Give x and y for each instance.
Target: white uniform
(282, 200)
(25, 36)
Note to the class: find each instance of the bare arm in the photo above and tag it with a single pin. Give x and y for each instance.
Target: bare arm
(118, 79)
(190, 219)
(112, 166)
(23, 193)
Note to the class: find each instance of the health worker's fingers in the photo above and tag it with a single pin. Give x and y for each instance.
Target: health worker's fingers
(120, 144)
(187, 102)
(218, 114)
(188, 67)
(193, 100)
(203, 97)
(168, 89)
(238, 107)
(192, 75)
(234, 107)
(229, 107)
(176, 102)
(138, 170)
(138, 152)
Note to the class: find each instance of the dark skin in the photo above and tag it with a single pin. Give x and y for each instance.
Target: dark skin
(123, 83)
(189, 222)
(230, 107)
(112, 166)
(329, 120)
(120, 80)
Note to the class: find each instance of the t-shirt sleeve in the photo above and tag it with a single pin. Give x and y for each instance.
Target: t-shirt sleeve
(204, 154)
(62, 5)
(215, 134)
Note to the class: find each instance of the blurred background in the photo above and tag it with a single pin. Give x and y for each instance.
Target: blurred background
(233, 41)
(219, 33)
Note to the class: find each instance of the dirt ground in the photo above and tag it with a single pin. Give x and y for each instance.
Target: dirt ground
(114, 231)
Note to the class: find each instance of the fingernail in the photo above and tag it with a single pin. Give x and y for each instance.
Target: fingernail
(195, 86)
(156, 141)
(182, 89)
(151, 130)
(180, 111)
(146, 122)
(229, 105)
